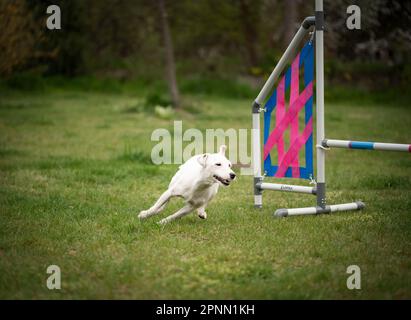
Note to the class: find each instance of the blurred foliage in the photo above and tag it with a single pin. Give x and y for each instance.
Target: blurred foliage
(213, 39)
(18, 37)
(155, 92)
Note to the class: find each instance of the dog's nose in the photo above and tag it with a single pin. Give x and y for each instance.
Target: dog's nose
(232, 175)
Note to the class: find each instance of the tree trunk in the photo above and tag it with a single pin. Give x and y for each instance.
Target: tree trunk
(290, 19)
(169, 55)
(249, 21)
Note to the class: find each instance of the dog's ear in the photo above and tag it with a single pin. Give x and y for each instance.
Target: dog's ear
(202, 159)
(223, 148)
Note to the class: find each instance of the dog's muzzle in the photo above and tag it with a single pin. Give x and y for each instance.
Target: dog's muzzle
(223, 181)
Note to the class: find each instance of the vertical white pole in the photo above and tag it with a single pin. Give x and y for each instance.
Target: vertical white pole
(256, 149)
(319, 63)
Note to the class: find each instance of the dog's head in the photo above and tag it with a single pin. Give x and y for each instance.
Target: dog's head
(217, 166)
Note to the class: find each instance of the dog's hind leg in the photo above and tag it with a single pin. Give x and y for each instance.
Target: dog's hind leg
(157, 207)
(180, 213)
(201, 213)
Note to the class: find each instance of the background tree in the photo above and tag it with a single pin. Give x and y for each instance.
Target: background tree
(290, 21)
(169, 55)
(250, 21)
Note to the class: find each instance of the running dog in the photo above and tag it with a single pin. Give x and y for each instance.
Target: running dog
(197, 182)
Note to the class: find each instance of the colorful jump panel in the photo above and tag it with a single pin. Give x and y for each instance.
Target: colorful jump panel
(288, 160)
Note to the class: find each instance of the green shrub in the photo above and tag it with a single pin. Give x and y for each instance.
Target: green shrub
(229, 88)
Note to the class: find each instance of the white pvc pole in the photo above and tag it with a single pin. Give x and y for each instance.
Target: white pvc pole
(392, 147)
(346, 206)
(256, 150)
(302, 211)
(286, 187)
(319, 63)
(316, 210)
(365, 145)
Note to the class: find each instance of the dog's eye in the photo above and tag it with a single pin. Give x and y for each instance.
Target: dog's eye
(218, 164)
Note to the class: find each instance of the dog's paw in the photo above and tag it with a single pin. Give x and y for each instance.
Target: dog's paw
(162, 222)
(202, 215)
(142, 214)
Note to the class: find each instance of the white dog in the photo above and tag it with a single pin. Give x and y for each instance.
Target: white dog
(197, 181)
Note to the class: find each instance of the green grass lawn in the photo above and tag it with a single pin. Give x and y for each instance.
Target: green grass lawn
(75, 169)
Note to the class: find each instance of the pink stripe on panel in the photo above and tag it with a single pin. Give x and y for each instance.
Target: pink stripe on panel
(279, 114)
(294, 91)
(277, 133)
(292, 153)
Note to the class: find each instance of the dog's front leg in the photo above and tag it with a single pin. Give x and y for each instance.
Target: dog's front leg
(158, 206)
(180, 213)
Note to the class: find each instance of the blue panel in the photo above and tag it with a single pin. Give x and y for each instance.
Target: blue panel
(270, 104)
(287, 79)
(308, 54)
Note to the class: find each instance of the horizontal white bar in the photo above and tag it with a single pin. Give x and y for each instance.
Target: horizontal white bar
(392, 147)
(286, 187)
(314, 210)
(365, 145)
(337, 143)
(302, 211)
(345, 207)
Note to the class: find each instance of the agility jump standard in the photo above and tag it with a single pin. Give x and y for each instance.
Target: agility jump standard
(288, 160)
